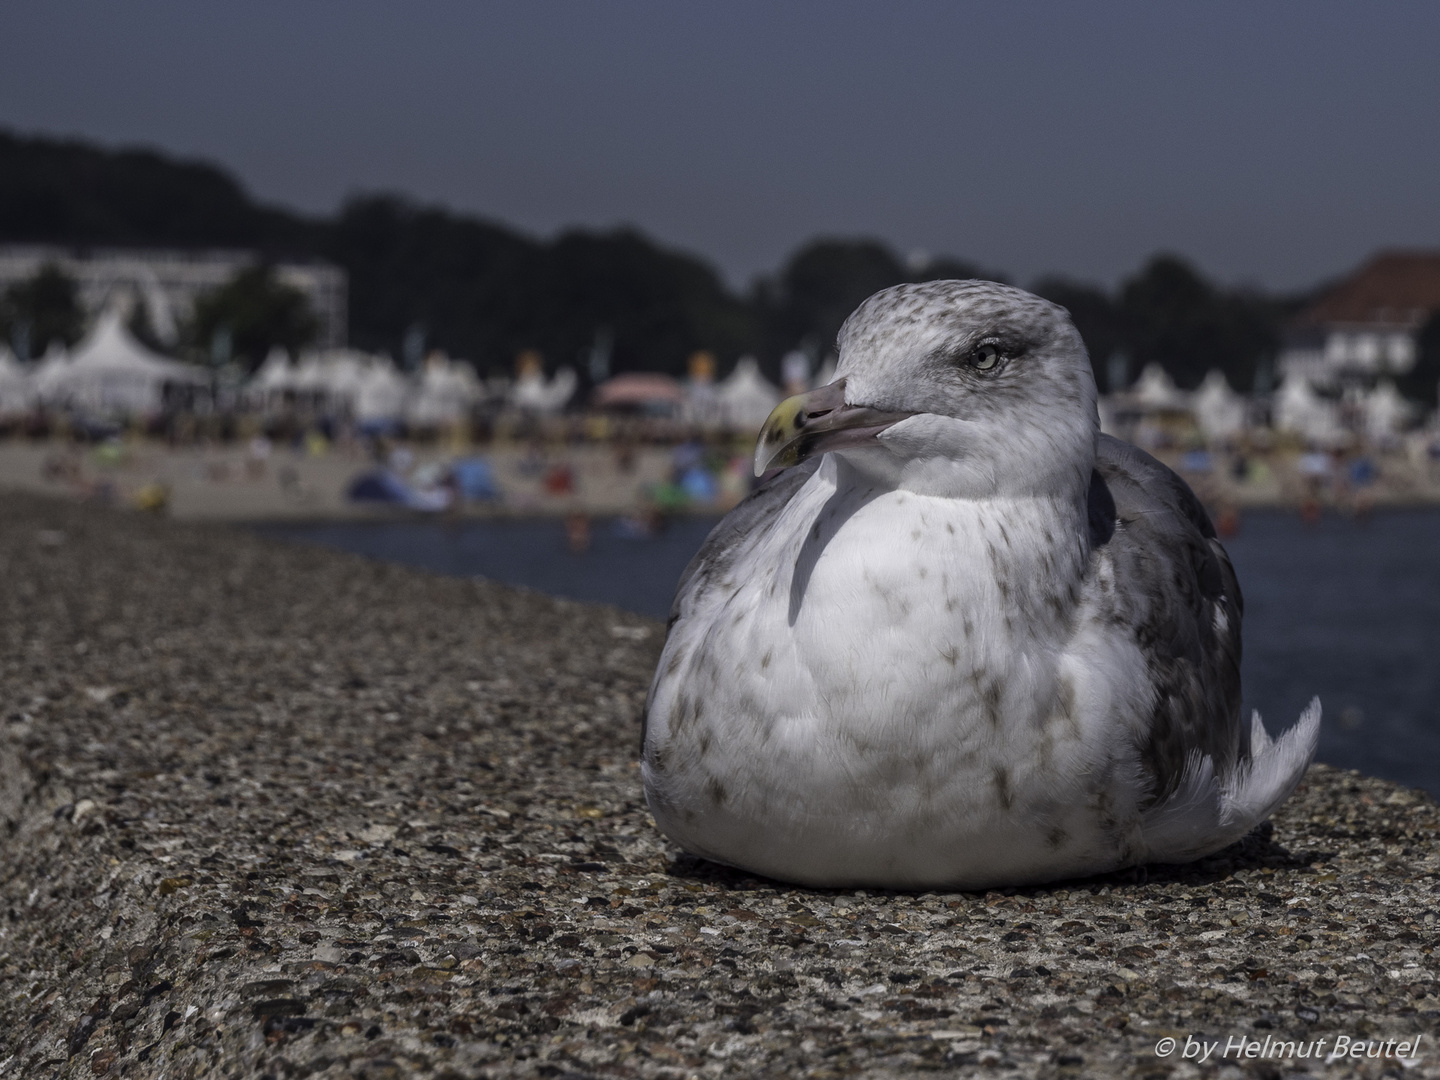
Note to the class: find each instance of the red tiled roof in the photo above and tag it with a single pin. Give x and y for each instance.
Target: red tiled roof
(1396, 287)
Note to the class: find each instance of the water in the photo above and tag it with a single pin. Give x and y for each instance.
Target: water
(635, 573)
(1349, 610)
(1346, 609)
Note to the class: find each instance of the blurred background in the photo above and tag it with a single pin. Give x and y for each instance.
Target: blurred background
(507, 289)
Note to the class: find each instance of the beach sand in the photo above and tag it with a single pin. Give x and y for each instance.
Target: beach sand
(274, 811)
(223, 483)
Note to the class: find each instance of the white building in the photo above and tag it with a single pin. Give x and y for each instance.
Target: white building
(1365, 327)
(167, 283)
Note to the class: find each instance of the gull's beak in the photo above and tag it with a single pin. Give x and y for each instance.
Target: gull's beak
(815, 423)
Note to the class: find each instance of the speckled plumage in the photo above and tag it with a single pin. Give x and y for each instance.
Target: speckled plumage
(990, 646)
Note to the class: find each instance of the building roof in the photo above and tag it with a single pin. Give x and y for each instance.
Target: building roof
(1397, 288)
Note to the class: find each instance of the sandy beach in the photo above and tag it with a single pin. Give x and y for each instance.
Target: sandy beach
(274, 811)
(225, 482)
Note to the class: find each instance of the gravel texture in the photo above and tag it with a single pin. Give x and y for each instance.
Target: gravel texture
(272, 811)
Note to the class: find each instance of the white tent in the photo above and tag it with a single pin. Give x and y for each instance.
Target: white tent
(1299, 409)
(533, 393)
(1219, 411)
(272, 379)
(343, 373)
(746, 398)
(447, 390)
(1156, 390)
(276, 373)
(1386, 412)
(310, 375)
(47, 378)
(16, 393)
(382, 392)
(111, 372)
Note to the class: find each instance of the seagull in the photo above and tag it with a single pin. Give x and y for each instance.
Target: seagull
(961, 640)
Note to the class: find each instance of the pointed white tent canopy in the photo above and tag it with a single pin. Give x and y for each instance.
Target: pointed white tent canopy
(276, 374)
(1299, 409)
(110, 371)
(382, 393)
(16, 393)
(47, 378)
(533, 393)
(1386, 412)
(343, 374)
(746, 398)
(310, 374)
(1219, 411)
(447, 390)
(1156, 390)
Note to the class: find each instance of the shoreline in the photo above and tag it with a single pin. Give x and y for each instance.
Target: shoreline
(275, 809)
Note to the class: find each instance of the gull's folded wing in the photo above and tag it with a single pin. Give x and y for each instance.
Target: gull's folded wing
(1176, 592)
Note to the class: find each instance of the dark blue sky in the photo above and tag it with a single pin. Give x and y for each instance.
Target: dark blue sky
(1275, 143)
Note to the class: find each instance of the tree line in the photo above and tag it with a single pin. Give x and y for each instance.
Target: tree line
(428, 277)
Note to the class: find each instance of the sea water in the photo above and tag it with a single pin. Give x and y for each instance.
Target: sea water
(1347, 609)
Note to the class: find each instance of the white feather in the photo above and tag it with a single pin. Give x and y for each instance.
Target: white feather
(1207, 813)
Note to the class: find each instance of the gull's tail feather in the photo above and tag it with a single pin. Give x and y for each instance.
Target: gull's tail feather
(1257, 788)
(1207, 812)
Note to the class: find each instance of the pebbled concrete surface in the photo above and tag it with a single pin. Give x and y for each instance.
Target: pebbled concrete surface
(271, 811)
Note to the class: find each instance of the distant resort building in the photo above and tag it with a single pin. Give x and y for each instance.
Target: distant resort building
(167, 283)
(1367, 326)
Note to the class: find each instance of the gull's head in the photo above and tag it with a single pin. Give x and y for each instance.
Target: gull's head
(967, 388)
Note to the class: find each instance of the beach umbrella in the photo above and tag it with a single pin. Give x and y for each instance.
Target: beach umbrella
(641, 391)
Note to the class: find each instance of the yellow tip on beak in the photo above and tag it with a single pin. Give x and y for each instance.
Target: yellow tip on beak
(779, 442)
(816, 422)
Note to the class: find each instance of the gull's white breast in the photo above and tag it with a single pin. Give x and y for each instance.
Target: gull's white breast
(893, 687)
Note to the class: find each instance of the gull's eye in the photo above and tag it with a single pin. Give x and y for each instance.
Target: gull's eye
(985, 357)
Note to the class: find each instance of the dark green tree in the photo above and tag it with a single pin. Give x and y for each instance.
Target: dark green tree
(258, 312)
(824, 281)
(484, 292)
(817, 289)
(1095, 315)
(1174, 317)
(60, 191)
(1422, 382)
(43, 309)
(660, 305)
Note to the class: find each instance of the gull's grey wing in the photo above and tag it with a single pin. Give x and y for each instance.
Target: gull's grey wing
(1175, 590)
(728, 538)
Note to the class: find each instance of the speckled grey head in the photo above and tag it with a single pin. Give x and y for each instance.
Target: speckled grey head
(998, 377)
